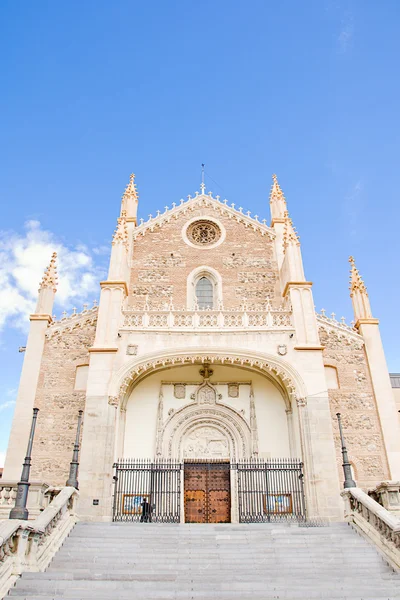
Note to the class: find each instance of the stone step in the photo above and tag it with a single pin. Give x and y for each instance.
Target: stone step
(100, 561)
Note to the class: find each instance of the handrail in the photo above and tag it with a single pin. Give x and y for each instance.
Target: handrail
(375, 522)
(31, 545)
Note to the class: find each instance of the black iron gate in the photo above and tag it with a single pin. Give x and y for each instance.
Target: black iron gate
(271, 490)
(147, 490)
(150, 490)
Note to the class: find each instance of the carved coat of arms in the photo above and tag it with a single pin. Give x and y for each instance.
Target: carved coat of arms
(282, 349)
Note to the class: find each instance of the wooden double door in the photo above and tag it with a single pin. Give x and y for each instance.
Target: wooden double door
(207, 492)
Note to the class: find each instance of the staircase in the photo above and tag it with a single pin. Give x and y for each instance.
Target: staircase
(259, 562)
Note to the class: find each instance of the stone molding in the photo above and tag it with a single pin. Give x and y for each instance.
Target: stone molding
(37, 317)
(114, 285)
(295, 284)
(366, 322)
(275, 368)
(220, 416)
(99, 350)
(204, 200)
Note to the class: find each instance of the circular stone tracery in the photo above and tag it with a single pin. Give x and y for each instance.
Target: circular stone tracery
(203, 233)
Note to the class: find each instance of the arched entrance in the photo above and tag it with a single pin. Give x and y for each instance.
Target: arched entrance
(207, 409)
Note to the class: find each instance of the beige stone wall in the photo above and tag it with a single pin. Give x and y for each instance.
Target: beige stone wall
(162, 261)
(59, 403)
(355, 400)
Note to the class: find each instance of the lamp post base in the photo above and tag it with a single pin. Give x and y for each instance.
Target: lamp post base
(19, 512)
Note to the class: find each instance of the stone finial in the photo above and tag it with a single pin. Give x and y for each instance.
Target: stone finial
(50, 278)
(290, 235)
(276, 191)
(130, 198)
(277, 201)
(358, 294)
(121, 232)
(130, 190)
(356, 281)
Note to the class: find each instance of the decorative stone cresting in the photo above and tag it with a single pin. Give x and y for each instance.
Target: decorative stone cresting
(204, 200)
(68, 323)
(272, 367)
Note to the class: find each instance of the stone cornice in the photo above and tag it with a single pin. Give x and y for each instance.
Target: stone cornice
(102, 350)
(39, 317)
(304, 348)
(369, 321)
(295, 284)
(115, 284)
(204, 200)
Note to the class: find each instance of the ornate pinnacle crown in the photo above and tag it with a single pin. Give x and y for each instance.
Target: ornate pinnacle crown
(50, 278)
(356, 281)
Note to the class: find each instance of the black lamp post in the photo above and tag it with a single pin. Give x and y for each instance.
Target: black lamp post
(72, 480)
(348, 477)
(20, 511)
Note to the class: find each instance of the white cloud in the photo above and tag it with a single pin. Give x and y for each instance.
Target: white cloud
(346, 32)
(7, 404)
(23, 259)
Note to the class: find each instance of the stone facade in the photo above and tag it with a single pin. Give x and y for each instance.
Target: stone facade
(58, 402)
(355, 400)
(206, 342)
(162, 262)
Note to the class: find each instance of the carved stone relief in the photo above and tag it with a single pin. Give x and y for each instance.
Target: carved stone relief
(206, 394)
(132, 349)
(180, 391)
(206, 442)
(233, 390)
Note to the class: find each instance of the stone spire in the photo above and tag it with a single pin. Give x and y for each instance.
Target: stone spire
(47, 289)
(130, 200)
(49, 279)
(358, 294)
(290, 235)
(121, 232)
(277, 202)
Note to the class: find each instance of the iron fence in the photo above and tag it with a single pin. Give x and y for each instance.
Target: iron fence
(271, 490)
(266, 490)
(147, 490)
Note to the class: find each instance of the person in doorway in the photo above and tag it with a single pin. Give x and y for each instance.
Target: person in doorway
(146, 511)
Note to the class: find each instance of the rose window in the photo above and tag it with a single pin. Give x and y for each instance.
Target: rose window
(203, 233)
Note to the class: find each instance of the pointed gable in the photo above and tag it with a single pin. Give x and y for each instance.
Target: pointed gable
(209, 234)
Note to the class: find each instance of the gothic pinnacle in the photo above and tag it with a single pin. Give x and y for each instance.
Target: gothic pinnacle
(290, 234)
(121, 232)
(356, 281)
(276, 190)
(49, 279)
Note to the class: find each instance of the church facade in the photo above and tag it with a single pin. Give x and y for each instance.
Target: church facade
(206, 348)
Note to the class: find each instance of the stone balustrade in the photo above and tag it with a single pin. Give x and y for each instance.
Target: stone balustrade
(207, 319)
(374, 521)
(40, 496)
(31, 545)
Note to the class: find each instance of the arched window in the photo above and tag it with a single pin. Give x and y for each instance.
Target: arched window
(205, 293)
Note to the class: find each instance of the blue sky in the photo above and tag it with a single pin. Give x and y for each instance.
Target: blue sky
(91, 91)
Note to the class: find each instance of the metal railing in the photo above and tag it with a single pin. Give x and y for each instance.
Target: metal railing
(148, 490)
(271, 490)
